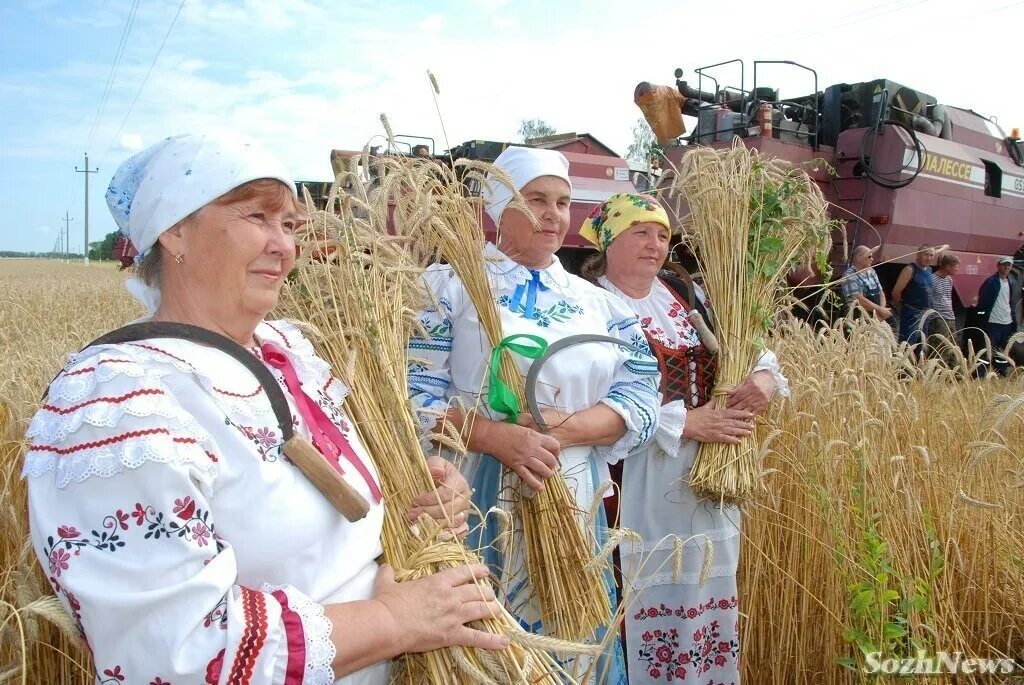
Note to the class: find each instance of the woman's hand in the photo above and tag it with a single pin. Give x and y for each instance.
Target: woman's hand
(449, 503)
(753, 394)
(432, 612)
(707, 424)
(532, 455)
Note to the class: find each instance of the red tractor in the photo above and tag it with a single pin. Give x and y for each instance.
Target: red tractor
(901, 169)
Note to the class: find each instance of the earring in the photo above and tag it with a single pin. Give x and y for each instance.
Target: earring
(178, 258)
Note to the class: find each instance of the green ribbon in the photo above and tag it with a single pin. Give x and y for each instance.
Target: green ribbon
(500, 397)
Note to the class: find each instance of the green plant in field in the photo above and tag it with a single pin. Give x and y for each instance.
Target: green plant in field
(883, 604)
(784, 234)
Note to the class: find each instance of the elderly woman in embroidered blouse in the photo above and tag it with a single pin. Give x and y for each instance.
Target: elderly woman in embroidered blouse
(600, 399)
(171, 526)
(678, 629)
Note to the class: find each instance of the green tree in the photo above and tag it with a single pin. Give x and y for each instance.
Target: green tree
(103, 249)
(644, 146)
(535, 128)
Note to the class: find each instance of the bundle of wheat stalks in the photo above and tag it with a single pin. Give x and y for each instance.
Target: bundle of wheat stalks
(360, 289)
(752, 221)
(431, 202)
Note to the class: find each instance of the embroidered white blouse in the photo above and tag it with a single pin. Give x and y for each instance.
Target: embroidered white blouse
(453, 361)
(182, 541)
(678, 628)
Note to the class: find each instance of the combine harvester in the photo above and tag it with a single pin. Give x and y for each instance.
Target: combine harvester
(900, 168)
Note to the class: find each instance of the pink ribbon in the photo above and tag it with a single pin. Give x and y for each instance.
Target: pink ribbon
(326, 436)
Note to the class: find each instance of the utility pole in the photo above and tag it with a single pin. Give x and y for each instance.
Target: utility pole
(67, 235)
(86, 171)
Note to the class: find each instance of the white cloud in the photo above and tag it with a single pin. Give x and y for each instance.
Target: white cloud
(432, 23)
(131, 142)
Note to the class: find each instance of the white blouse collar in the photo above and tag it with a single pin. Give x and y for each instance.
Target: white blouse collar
(510, 273)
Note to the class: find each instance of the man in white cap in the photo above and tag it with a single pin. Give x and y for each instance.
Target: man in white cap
(998, 302)
(600, 400)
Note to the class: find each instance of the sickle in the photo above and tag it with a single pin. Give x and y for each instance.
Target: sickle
(553, 349)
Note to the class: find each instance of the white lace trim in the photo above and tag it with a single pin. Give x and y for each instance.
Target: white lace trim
(630, 548)
(669, 433)
(110, 460)
(77, 383)
(316, 628)
(621, 448)
(769, 362)
(683, 579)
(507, 274)
(52, 426)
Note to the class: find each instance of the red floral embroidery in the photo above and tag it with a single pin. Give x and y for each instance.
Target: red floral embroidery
(214, 668)
(113, 675)
(68, 532)
(219, 615)
(264, 438)
(665, 658)
(139, 513)
(159, 681)
(184, 508)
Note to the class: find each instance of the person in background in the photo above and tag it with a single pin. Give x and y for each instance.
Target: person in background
(942, 332)
(998, 302)
(861, 285)
(913, 294)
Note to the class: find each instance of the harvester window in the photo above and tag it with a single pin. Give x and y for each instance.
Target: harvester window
(993, 179)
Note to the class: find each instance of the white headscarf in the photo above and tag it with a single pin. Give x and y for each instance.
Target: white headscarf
(522, 164)
(155, 189)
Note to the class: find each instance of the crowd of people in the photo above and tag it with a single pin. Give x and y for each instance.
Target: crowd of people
(923, 296)
(189, 548)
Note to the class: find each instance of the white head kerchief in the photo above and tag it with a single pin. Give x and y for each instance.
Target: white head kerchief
(158, 187)
(522, 164)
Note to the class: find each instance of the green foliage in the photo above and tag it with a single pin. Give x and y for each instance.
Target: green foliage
(784, 233)
(645, 146)
(535, 128)
(883, 605)
(103, 249)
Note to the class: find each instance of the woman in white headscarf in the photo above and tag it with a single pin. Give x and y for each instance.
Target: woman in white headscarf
(600, 399)
(171, 525)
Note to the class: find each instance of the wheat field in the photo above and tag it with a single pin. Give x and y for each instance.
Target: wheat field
(893, 519)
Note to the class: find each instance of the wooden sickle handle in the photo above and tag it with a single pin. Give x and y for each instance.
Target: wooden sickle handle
(329, 482)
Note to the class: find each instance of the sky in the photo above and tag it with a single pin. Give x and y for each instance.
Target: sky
(306, 76)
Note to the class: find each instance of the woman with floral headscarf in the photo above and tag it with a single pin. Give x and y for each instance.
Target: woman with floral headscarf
(173, 527)
(677, 630)
(600, 399)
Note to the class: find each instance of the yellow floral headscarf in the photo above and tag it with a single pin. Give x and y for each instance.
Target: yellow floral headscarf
(620, 213)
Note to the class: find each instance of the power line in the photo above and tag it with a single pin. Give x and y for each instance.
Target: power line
(112, 76)
(144, 80)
